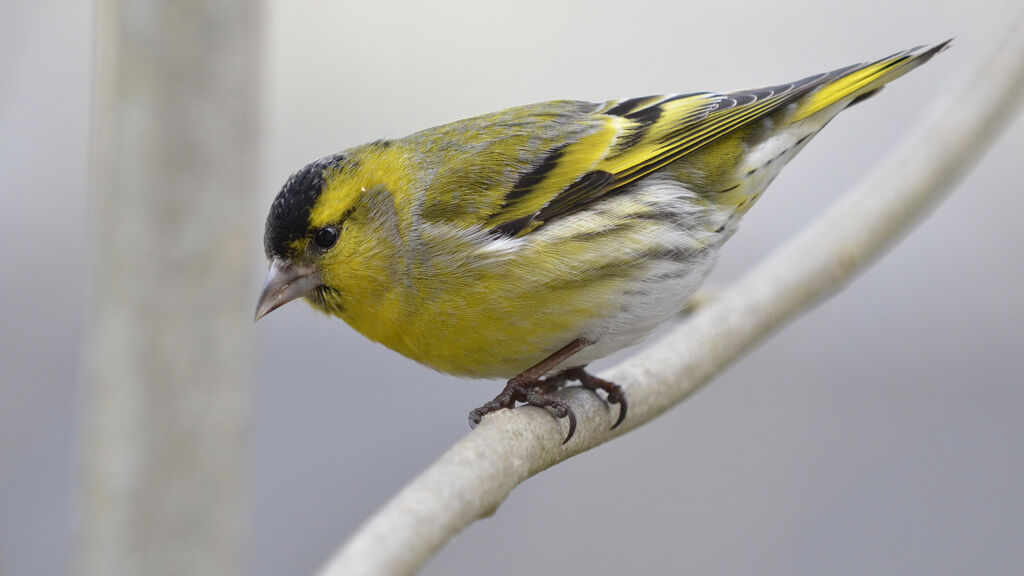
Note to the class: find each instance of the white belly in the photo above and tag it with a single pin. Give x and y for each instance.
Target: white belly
(651, 305)
(696, 229)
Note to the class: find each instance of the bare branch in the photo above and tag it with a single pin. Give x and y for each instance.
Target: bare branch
(473, 477)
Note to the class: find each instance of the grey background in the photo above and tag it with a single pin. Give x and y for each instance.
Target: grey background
(880, 433)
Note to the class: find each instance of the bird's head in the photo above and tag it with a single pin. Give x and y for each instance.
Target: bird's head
(317, 234)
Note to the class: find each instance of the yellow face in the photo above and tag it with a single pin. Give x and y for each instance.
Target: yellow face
(315, 229)
(332, 234)
(362, 204)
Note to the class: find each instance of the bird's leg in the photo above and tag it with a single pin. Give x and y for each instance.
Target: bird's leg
(530, 388)
(554, 381)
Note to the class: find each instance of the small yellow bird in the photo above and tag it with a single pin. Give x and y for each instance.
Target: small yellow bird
(529, 242)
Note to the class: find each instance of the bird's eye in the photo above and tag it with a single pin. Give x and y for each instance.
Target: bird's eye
(326, 237)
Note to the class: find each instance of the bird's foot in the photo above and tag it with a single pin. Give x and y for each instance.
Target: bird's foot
(615, 393)
(536, 393)
(533, 393)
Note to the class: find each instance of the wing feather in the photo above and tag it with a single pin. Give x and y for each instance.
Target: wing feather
(639, 136)
(563, 156)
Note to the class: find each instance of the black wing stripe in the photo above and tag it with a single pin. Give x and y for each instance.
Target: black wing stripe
(513, 227)
(531, 178)
(572, 198)
(627, 106)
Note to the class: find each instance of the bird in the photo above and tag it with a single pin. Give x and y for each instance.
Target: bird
(525, 244)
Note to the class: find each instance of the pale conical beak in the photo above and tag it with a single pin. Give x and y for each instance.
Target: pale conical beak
(285, 282)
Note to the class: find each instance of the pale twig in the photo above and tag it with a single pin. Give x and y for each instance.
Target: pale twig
(474, 476)
(699, 299)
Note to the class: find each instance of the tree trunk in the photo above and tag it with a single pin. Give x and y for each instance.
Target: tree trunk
(174, 166)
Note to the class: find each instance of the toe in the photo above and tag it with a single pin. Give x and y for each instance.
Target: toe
(474, 418)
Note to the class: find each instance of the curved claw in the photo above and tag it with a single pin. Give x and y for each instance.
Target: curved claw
(615, 393)
(621, 401)
(558, 408)
(572, 425)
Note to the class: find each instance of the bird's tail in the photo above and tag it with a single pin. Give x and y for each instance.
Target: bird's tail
(856, 83)
(794, 126)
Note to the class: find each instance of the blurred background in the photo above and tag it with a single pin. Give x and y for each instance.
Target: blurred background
(881, 433)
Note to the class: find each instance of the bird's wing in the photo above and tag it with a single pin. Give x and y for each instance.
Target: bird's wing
(630, 139)
(536, 163)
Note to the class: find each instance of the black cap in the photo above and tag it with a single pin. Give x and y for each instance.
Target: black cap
(289, 214)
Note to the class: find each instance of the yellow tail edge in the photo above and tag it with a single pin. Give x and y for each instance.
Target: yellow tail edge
(866, 78)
